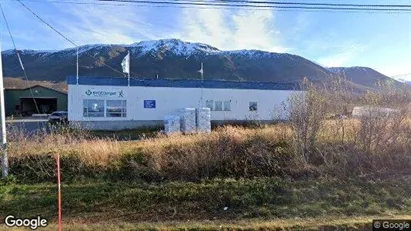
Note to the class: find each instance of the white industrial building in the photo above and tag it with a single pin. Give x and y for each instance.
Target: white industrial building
(104, 103)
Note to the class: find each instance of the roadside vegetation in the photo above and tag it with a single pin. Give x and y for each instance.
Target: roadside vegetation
(322, 163)
(318, 141)
(243, 204)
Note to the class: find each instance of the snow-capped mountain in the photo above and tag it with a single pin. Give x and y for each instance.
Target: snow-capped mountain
(174, 46)
(173, 58)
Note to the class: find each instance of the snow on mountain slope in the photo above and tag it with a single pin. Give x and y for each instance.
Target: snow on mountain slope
(174, 46)
(255, 54)
(28, 52)
(82, 49)
(174, 58)
(339, 70)
(69, 52)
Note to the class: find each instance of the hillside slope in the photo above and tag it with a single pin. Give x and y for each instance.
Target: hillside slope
(175, 59)
(361, 75)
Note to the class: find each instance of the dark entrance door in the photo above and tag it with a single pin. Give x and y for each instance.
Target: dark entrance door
(44, 105)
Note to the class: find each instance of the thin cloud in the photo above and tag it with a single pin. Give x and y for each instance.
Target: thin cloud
(231, 29)
(102, 24)
(224, 28)
(342, 55)
(301, 27)
(28, 32)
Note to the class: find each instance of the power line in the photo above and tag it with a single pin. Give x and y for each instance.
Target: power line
(321, 4)
(312, 6)
(73, 2)
(270, 4)
(62, 35)
(19, 58)
(50, 26)
(212, 5)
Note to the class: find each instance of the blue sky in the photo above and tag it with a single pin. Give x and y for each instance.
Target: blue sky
(378, 40)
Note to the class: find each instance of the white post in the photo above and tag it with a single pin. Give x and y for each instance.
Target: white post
(202, 91)
(202, 72)
(129, 67)
(77, 67)
(4, 159)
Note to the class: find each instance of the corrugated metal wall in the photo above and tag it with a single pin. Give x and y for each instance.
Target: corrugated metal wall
(13, 96)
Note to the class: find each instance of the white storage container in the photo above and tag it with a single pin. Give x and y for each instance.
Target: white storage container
(370, 111)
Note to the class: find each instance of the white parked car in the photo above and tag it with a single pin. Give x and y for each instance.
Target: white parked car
(58, 117)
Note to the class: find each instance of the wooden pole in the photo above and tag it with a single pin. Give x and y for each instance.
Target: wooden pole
(59, 193)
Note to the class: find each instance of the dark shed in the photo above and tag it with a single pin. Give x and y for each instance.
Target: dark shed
(36, 99)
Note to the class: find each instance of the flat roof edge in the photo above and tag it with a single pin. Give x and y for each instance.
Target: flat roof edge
(179, 83)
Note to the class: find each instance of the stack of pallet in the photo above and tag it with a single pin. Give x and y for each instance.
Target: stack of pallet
(188, 120)
(203, 120)
(171, 124)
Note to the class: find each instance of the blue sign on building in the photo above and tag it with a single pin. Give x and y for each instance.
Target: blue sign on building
(149, 104)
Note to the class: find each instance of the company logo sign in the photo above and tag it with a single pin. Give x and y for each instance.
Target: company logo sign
(95, 93)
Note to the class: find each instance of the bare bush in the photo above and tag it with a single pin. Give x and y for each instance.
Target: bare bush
(307, 113)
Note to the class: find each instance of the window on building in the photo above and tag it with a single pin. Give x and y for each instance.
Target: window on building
(116, 108)
(93, 108)
(227, 105)
(253, 106)
(210, 104)
(218, 106)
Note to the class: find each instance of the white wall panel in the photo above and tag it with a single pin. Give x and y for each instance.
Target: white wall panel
(170, 100)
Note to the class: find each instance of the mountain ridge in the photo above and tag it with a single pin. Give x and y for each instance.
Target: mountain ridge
(174, 58)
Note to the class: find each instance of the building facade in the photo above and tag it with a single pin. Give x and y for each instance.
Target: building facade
(110, 104)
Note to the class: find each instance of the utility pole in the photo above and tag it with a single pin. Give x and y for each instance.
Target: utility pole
(4, 159)
(77, 67)
(129, 67)
(202, 78)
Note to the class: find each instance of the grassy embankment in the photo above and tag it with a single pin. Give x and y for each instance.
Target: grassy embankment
(186, 181)
(267, 203)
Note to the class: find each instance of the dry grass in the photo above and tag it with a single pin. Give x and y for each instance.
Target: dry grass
(100, 150)
(342, 147)
(308, 144)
